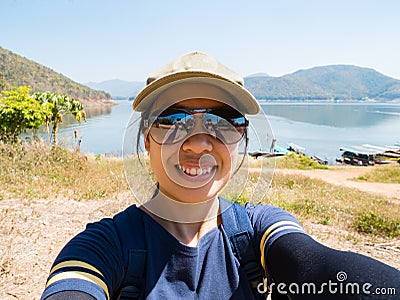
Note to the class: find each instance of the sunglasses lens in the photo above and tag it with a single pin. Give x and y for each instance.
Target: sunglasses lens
(172, 126)
(228, 125)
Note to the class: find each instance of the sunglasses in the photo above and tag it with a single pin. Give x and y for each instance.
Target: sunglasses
(175, 124)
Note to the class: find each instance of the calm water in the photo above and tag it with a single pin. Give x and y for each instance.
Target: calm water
(320, 128)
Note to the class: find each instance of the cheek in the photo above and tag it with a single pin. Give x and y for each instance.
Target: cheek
(160, 157)
(229, 156)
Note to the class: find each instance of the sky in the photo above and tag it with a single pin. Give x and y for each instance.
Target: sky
(98, 40)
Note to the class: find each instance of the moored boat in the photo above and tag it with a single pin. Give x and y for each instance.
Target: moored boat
(368, 155)
(358, 157)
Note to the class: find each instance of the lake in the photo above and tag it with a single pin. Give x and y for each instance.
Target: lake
(321, 128)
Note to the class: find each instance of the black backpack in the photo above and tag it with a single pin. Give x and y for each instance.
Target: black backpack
(236, 225)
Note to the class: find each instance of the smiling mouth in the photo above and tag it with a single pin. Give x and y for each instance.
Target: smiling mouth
(196, 171)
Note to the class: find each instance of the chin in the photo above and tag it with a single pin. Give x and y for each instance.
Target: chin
(189, 191)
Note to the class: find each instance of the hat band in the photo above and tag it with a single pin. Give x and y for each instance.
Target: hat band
(186, 90)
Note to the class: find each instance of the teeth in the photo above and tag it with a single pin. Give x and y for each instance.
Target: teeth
(195, 171)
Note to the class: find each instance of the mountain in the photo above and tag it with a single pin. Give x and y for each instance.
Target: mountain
(119, 89)
(257, 75)
(16, 70)
(339, 82)
(326, 83)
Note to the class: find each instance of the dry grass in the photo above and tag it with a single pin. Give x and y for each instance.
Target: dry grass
(342, 207)
(36, 171)
(386, 174)
(323, 203)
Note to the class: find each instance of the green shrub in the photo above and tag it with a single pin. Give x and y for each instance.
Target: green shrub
(371, 223)
(298, 161)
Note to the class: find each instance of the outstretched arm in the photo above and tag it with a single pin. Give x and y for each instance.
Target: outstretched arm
(306, 269)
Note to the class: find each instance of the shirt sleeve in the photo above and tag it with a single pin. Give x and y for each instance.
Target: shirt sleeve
(92, 262)
(270, 223)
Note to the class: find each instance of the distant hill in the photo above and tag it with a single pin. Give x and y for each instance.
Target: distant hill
(339, 82)
(119, 89)
(257, 75)
(16, 70)
(327, 83)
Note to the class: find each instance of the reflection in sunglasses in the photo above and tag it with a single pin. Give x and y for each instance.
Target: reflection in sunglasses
(174, 124)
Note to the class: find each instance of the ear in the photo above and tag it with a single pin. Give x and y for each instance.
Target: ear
(147, 141)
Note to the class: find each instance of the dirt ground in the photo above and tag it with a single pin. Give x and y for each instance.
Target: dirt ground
(343, 176)
(33, 232)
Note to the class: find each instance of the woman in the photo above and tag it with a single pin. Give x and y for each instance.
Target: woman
(186, 242)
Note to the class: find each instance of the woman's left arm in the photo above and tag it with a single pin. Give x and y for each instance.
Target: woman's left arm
(306, 269)
(301, 268)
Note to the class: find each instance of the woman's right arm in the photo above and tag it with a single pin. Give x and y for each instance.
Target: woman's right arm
(90, 266)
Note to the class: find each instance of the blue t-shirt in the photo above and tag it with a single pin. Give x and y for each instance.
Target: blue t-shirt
(93, 262)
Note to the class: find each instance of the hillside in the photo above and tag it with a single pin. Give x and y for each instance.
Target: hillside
(343, 82)
(16, 70)
(335, 82)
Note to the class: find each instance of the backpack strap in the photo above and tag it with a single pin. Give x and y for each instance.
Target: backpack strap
(240, 232)
(132, 236)
(237, 226)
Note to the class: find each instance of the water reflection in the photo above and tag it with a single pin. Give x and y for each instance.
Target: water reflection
(91, 112)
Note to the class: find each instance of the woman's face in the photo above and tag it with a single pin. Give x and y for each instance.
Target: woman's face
(196, 168)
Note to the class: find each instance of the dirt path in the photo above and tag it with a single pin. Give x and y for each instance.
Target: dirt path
(343, 176)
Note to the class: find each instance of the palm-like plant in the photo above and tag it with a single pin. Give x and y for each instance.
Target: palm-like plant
(59, 105)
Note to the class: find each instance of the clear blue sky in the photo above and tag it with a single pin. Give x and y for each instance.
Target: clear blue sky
(97, 40)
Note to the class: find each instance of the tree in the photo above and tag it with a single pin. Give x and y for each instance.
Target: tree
(18, 112)
(59, 105)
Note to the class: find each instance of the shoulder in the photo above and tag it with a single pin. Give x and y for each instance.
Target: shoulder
(270, 223)
(264, 214)
(94, 260)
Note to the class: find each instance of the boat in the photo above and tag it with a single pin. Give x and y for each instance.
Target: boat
(274, 151)
(386, 153)
(319, 160)
(296, 148)
(367, 154)
(357, 156)
(257, 154)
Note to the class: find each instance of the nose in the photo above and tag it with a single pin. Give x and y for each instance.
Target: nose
(199, 141)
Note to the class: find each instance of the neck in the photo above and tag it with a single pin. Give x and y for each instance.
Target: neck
(187, 222)
(182, 212)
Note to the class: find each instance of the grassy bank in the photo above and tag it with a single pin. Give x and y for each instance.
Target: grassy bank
(342, 207)
(35, 171)
(386, 174)
(295, 161)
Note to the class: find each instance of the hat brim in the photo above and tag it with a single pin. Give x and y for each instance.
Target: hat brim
(243, 100)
